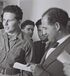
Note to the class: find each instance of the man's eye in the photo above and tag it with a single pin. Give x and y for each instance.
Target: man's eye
(28, 28)
(45, 28)
(39, 30)
(11, 20)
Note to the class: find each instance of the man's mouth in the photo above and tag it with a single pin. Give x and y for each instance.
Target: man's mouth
(6, 28)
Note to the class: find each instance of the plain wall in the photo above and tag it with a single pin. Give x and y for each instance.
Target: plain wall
(11, 2)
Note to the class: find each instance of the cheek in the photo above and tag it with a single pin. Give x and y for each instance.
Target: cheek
(49, 33)
(11, 26)
(3, 24)
(25, 30)
(52, 35)
(39, 34)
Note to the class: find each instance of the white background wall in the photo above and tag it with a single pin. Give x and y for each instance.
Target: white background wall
(9, 2)
(33, 9)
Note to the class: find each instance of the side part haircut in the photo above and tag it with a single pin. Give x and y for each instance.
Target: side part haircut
(27, 22)
(56, 15)
(38, 23)
(13, 9)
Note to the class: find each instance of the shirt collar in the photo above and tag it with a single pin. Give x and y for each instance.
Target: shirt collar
(19, 36)
(60, 41)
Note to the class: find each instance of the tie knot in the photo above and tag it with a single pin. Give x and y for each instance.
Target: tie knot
(54, 45)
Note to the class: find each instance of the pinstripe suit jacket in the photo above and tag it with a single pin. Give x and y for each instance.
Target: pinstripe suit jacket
(51, 66)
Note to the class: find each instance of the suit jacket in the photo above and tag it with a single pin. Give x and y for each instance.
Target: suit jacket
(51, 66)
(39, 50)
(18, 52)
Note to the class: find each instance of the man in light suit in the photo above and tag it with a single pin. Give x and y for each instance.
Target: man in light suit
(54, 23)
(14, 44)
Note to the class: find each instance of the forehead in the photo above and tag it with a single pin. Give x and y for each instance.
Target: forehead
(8, 15)
(45, 23)
(40, 26)
(45, 19)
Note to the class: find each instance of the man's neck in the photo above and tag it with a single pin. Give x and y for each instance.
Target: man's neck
(61, 34)
(15, 33)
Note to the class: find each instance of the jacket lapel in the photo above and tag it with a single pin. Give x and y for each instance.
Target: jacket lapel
(46, 50)
(53, 56)
(6, 42)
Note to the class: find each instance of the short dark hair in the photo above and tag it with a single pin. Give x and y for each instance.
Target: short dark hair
(14, 9)
(38, 23)
(68, 25)
(68, 19)
(57, 15)
(27, 22)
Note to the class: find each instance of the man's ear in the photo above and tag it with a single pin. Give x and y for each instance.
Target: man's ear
(19, 23)
(57, 25)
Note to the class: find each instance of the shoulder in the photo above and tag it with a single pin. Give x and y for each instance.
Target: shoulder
(37, 42)
(2, 31)
(67, 48)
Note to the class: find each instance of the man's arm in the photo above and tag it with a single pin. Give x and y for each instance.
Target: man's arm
(66, 69)
(38, 70)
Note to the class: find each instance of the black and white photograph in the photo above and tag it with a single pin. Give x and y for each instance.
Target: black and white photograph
(34, 37)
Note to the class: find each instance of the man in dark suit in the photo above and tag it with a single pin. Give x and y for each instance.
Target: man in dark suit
(54, 23)
(68, 25)
(39, 46)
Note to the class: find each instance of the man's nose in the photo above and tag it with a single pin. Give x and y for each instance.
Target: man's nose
(43, 32)
(31, 31)
(6, 23)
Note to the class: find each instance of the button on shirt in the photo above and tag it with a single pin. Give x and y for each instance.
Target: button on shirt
(12, 40)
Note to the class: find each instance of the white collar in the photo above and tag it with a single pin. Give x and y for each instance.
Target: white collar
(63, 39)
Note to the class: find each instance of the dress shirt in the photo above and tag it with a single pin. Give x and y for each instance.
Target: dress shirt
(64, 57)
(60, 42)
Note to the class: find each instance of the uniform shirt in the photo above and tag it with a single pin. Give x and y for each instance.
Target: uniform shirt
(15, 49)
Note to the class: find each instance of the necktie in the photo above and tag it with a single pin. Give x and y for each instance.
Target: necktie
(53, 46)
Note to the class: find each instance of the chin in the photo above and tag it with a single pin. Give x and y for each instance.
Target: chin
(6, 31)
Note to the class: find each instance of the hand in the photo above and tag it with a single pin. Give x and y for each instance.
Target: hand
(32, 67)
(28, 64)
(66, 69)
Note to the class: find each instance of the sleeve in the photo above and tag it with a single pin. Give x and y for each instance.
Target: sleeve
(28, 53)
(17, 56)
(40, 71)
(21, 57)
(28, 46)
